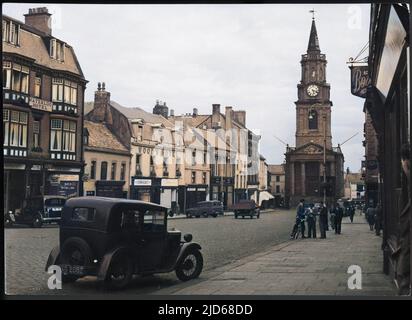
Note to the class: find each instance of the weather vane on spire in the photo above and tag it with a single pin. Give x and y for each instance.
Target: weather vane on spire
(313, 13)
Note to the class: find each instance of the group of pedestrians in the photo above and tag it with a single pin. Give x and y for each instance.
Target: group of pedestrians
(308, 214)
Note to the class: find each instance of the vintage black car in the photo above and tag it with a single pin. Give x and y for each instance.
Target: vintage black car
(115, 239)
(206, 208)
(36, 211)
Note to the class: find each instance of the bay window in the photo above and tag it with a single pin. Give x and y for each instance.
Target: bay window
(63, 135)
(6, 74)
(6, 126)
(64, 91)
(20, 78)
(57, 90)
(15, 128)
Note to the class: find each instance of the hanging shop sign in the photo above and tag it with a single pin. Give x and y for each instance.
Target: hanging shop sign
(359, 80)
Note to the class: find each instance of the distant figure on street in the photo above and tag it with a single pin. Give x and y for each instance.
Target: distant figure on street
(323, 220)
(338, 218)
(300, 219)
(311, 219)
(332, 216)
(351, 213)
(378, 220)
(370, 217)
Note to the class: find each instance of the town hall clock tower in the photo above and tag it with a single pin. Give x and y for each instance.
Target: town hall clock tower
(314, 168)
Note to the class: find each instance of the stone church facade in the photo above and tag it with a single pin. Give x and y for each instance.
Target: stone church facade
(313, 156)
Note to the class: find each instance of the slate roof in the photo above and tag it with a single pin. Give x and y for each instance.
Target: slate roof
(134, 113)
(102, 139)
(33, 45)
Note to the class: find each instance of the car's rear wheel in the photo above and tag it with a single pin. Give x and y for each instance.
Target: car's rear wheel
(120, 272)
(75, 252)
(190, 266)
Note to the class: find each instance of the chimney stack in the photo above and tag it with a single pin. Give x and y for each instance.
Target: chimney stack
(172, 112)
(101, 108)
(215, 115)
(240, 117)
(195, 112)
(40, 19)
(228, 116)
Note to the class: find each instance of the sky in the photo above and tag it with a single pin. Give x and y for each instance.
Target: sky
(242, 55)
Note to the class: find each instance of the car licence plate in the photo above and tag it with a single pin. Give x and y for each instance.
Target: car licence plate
(73, 270)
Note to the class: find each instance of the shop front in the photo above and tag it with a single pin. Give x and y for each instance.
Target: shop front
(387, 102)
(222, 189)
(110, 189)
(194, 193)
(146, 189)
(169, 194)
(22, 181)
(240, 194)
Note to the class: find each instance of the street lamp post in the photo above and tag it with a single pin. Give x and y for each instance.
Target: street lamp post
(324, 159)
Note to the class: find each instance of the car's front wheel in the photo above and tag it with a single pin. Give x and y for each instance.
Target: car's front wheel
(190, 266)
(120, 272)
(37, 222)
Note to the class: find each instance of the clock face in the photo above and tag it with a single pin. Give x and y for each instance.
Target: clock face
(313, 90)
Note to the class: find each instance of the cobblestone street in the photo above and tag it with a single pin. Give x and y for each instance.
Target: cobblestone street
(223, 240)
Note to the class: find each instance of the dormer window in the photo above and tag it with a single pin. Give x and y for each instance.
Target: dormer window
(11, 32)
(57, 50)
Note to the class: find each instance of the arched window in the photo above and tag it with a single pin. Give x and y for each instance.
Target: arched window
(313, 120)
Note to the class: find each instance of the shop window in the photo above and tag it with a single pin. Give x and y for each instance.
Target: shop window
(93, 170)
(103, 171)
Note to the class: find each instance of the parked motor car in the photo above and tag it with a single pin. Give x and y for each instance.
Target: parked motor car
(206, 208)
(115, 239)
(245, 208)
(36, 211)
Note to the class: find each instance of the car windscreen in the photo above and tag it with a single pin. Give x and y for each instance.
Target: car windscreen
(154, 220)
(54, 202)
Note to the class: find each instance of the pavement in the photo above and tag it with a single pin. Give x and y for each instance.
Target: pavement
(301, 267)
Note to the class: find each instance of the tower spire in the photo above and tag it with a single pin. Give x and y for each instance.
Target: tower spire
(313, 38)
